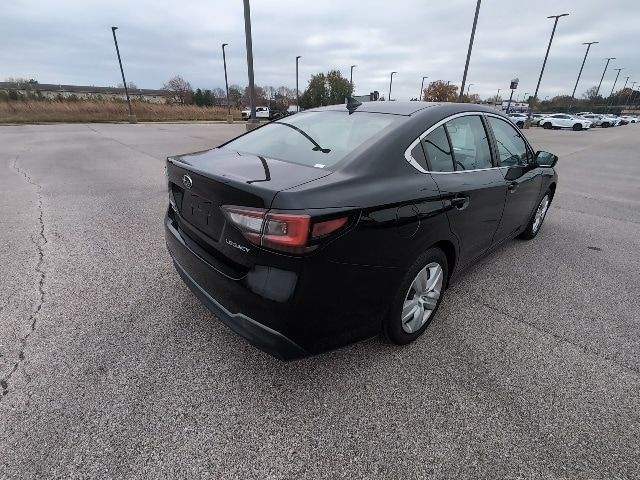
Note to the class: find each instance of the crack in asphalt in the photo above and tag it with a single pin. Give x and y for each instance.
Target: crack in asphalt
(584, 348)
(39, 242)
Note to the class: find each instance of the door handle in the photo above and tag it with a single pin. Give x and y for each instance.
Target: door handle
(460, 202)
(512, 187)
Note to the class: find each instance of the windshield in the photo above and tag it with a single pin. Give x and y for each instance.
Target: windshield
(318, 139)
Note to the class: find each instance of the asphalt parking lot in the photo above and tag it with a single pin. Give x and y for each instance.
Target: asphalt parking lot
(111, 368)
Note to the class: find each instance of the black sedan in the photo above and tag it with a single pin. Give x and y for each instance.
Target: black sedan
(340, 223)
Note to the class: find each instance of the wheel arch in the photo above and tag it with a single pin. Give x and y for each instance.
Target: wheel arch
(450, 252)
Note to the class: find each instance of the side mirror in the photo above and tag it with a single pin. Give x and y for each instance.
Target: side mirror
(546, 159)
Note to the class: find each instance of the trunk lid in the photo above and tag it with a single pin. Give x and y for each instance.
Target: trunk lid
(202, 182)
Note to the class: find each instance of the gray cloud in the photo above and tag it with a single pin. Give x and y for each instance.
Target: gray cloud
(70, 42)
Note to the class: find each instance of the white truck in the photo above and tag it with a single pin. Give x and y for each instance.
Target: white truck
(263, 113)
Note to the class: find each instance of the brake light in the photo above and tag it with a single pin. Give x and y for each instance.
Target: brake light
(321, 229)
(285, 232)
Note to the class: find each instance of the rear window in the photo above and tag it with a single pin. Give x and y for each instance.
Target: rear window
(317, 139)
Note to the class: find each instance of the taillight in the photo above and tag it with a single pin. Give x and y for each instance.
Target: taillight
(286, 232)
(321, 229)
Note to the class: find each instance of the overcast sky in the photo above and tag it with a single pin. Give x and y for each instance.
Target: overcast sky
(69, 41)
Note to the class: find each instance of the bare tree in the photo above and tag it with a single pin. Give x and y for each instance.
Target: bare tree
(181, 91)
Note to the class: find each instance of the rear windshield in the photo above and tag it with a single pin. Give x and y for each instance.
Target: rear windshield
(317, 139)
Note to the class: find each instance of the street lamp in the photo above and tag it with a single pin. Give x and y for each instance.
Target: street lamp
(588, 44)
(544, 63)
(226, 82)
(608, 59)
(525, 96)
(473, 34)
(421, 89)
(351, 78)
(468, 87)
(391, 83)
(252, 90)
(633, 84)
(132, 118)
(613, 88)
(497, 95)
(297, 90)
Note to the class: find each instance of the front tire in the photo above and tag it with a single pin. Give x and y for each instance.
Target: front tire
(577, 127)
(520, 125)
(533, 227)
(418, 297)
(546, 125)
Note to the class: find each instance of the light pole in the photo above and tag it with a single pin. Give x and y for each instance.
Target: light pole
(421, 89)
(608, 59)
(351, 78)
(473, 34)
(633, 84)
(497, 95)
(588, 44)
(297, 90)
(525, 96)
(468, 87)
(544, 63)
(613, 88)
(390, 83)
(252, 90)
(132, 117)
(226, 83)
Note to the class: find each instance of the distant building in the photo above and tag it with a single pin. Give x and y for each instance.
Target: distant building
(52, 91)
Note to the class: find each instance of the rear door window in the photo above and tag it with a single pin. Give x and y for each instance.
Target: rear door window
(436, 145)
(470, 143)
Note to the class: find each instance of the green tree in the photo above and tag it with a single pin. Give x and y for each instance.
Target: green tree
(197, 97)
(329, 89)
(207, 98)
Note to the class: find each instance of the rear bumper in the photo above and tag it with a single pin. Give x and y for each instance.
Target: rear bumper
(290, 308)
(261, 336)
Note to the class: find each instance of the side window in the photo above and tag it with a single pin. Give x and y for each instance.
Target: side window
(512, 149)
(418, 155)
(436, 145)
(469, 142)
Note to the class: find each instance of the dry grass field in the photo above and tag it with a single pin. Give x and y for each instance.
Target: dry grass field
(105, 111)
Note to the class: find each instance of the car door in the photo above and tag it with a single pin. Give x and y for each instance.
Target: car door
(472, 188)
(522, 181)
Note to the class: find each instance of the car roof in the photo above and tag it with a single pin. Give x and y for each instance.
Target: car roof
(406, 108)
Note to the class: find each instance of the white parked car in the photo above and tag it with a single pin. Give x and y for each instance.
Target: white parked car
(610, 121)
(630, 118)
(563, 120)
(518, 119)
(596, 120)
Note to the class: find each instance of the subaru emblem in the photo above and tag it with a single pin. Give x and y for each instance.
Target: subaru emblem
(187, 182)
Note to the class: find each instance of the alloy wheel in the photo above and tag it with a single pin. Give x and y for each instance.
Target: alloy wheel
(540, 213)
(422, 297)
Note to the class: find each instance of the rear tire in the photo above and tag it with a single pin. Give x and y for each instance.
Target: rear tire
(520, 124)
(539, 214)
(577, 127)
(546, 125)
(417, 297)
(605, 125)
